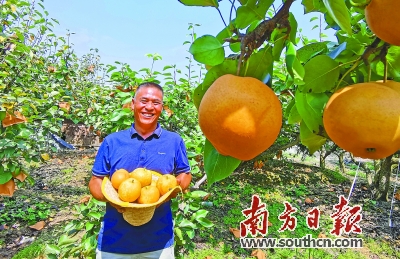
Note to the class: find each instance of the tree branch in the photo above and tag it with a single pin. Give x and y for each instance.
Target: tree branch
(198, 183)
(263, 32)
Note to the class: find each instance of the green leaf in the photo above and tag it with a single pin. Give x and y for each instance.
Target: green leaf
(178, 233)
(338, 11)
(225, 33)
(20, 36)
(294, 115)
(235, 47)
(2, 115)
(293, 28)
(279, 43)
(217, 166)
(311, 5)
(89, 226)
(96, 215)
(198, 194)
(213, 3)
(5, 177)
(252, 11)
(207, 50)
(288, 108)
(312, 141)
(25, 133)
(293, 65)
(310, 50)
(65, 240)
(52, 249)
(205, 222)
(310, 107)
(227, 67)
(321, 74)
(393, 62)
(190, 233)
(187, 224)
(258, 65)
(199, 214)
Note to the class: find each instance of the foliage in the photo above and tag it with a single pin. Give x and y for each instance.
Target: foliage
(23, 210)
(38, 72)
(189, 217)
(34, 250)
(72, 243)
(312, 69)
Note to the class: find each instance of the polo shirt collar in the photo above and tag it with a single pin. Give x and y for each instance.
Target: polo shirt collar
(156, 132)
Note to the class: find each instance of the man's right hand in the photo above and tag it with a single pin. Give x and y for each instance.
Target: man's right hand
(117, 207)
(95, 190)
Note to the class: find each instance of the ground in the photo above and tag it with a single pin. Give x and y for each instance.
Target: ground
(62, 183)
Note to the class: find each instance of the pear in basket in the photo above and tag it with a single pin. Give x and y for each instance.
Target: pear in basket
(149, 194)
(143, 175)
(166, 182)
(129, 190)
(118, 177)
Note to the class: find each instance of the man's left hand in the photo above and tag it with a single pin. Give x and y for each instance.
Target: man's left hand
(183, 180)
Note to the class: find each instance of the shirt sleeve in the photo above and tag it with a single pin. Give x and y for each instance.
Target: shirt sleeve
(101, 166)
(181, 159)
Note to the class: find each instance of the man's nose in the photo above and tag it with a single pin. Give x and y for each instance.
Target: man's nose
(149, 105)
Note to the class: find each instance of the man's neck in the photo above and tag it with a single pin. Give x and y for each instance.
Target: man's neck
(145, 131)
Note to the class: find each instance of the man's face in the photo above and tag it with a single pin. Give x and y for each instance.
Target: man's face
(147, 105)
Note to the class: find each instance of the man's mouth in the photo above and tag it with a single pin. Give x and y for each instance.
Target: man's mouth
(147, 115)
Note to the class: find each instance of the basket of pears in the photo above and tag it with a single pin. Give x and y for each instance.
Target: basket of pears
(139, 192)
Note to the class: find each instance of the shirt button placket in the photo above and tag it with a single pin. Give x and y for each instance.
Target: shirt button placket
(143, 153)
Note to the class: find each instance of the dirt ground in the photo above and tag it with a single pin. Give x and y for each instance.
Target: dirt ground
(62, 182)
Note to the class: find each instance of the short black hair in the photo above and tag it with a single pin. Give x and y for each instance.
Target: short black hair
(150, 84)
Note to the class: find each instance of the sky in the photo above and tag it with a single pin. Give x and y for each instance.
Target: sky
(127, 30)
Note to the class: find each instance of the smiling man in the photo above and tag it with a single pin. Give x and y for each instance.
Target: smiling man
(144, 145)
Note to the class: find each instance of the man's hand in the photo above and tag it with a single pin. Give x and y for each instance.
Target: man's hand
(117, 207)
(183, 180)
(95, 190)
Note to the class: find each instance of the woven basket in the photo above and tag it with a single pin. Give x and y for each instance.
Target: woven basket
(135, 214)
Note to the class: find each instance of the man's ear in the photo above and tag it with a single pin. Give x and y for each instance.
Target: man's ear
(133, 104)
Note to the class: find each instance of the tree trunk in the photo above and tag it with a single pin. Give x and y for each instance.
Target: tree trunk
(322, 163)
(382, 190)
(341, 163)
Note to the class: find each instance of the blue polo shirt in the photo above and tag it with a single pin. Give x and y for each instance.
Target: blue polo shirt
(163, 152)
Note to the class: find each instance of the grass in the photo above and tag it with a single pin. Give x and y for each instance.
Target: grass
(359, 173)
(34, 250)
(234, 194)
(382, 248)
(24, 209)
(298, 253)
(212, 252)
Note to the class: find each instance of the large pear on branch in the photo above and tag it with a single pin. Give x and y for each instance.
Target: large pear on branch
(240, 116)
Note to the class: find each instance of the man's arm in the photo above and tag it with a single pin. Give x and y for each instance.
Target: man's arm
(184, 180)
(95, 188)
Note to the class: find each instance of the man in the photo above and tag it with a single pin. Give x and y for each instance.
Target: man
(144, 145)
